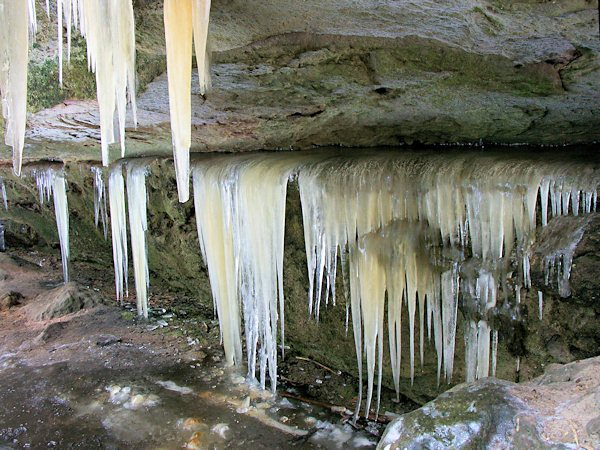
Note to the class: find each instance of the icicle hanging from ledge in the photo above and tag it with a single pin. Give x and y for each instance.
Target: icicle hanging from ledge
(49, 181)
(118, 223)
(138, 225)
(15, 19)
(109, 30)
(240, 212)
(478, 208)
(182, 18)
(100, 200)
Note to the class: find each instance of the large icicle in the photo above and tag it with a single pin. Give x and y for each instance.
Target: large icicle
(182, 18)
(14, 47)
(178, 41)
(215, 233)
(138, 225)
(118, 223)
(109, 30)
(52, 182)
(242, 236)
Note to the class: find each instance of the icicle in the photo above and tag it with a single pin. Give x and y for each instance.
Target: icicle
(61, 210)
(100, 200)
(118, 223)
(178, 40)
(138, 225)
(241, 221)
(540, 304)
(4, 199)
(50, 182)
(14, 47)
(494, 351)
(109, 30)
(201, 14)
(2, 230)
(216, 242)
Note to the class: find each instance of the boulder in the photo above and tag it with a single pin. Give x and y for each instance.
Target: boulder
(66, 299)
(557, 410)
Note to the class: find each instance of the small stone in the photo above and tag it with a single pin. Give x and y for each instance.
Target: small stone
(593, 426)
(10, 299)
(192, 423)
(193, 444)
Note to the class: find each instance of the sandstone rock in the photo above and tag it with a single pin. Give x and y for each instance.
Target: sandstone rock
(63, 300)
(10, 299)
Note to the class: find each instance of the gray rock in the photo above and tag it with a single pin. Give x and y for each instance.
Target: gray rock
(471, 415)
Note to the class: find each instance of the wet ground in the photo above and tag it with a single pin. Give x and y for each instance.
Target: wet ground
(102, 378)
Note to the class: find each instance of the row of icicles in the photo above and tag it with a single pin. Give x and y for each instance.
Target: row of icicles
(425, 232)
(109, 29)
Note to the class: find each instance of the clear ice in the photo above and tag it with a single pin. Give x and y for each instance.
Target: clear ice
(118, 223)
(100, 200)
(138, 225)
(52, 182)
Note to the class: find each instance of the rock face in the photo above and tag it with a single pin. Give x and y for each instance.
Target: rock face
(63, 300)
(355, 73)
(557, 410)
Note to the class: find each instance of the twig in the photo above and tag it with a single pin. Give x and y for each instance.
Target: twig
(318, 364)
(574, 432)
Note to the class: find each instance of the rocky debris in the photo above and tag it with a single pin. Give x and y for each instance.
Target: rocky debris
(52, 332)
(66, 299)
(10, 299)
(556, 410)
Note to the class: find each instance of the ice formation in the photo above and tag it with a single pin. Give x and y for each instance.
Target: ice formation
(118, 223)
(138, 225)
(100, 200)
(182, 19)
(52, 182)
(4, 199)
(109, 30)
(15, 20)
(240, 212)
(472, 214)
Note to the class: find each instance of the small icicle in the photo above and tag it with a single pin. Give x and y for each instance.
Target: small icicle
(494, 351)
(2, 230)
(540, 304)
(118, 223)
(100, 200)
(4, 199)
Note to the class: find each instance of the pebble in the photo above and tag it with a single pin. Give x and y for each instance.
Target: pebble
(220, 429)
(193, 444)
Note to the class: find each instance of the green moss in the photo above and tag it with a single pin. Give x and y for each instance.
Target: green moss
(127, 315)
(149, 66)
(43, 89)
